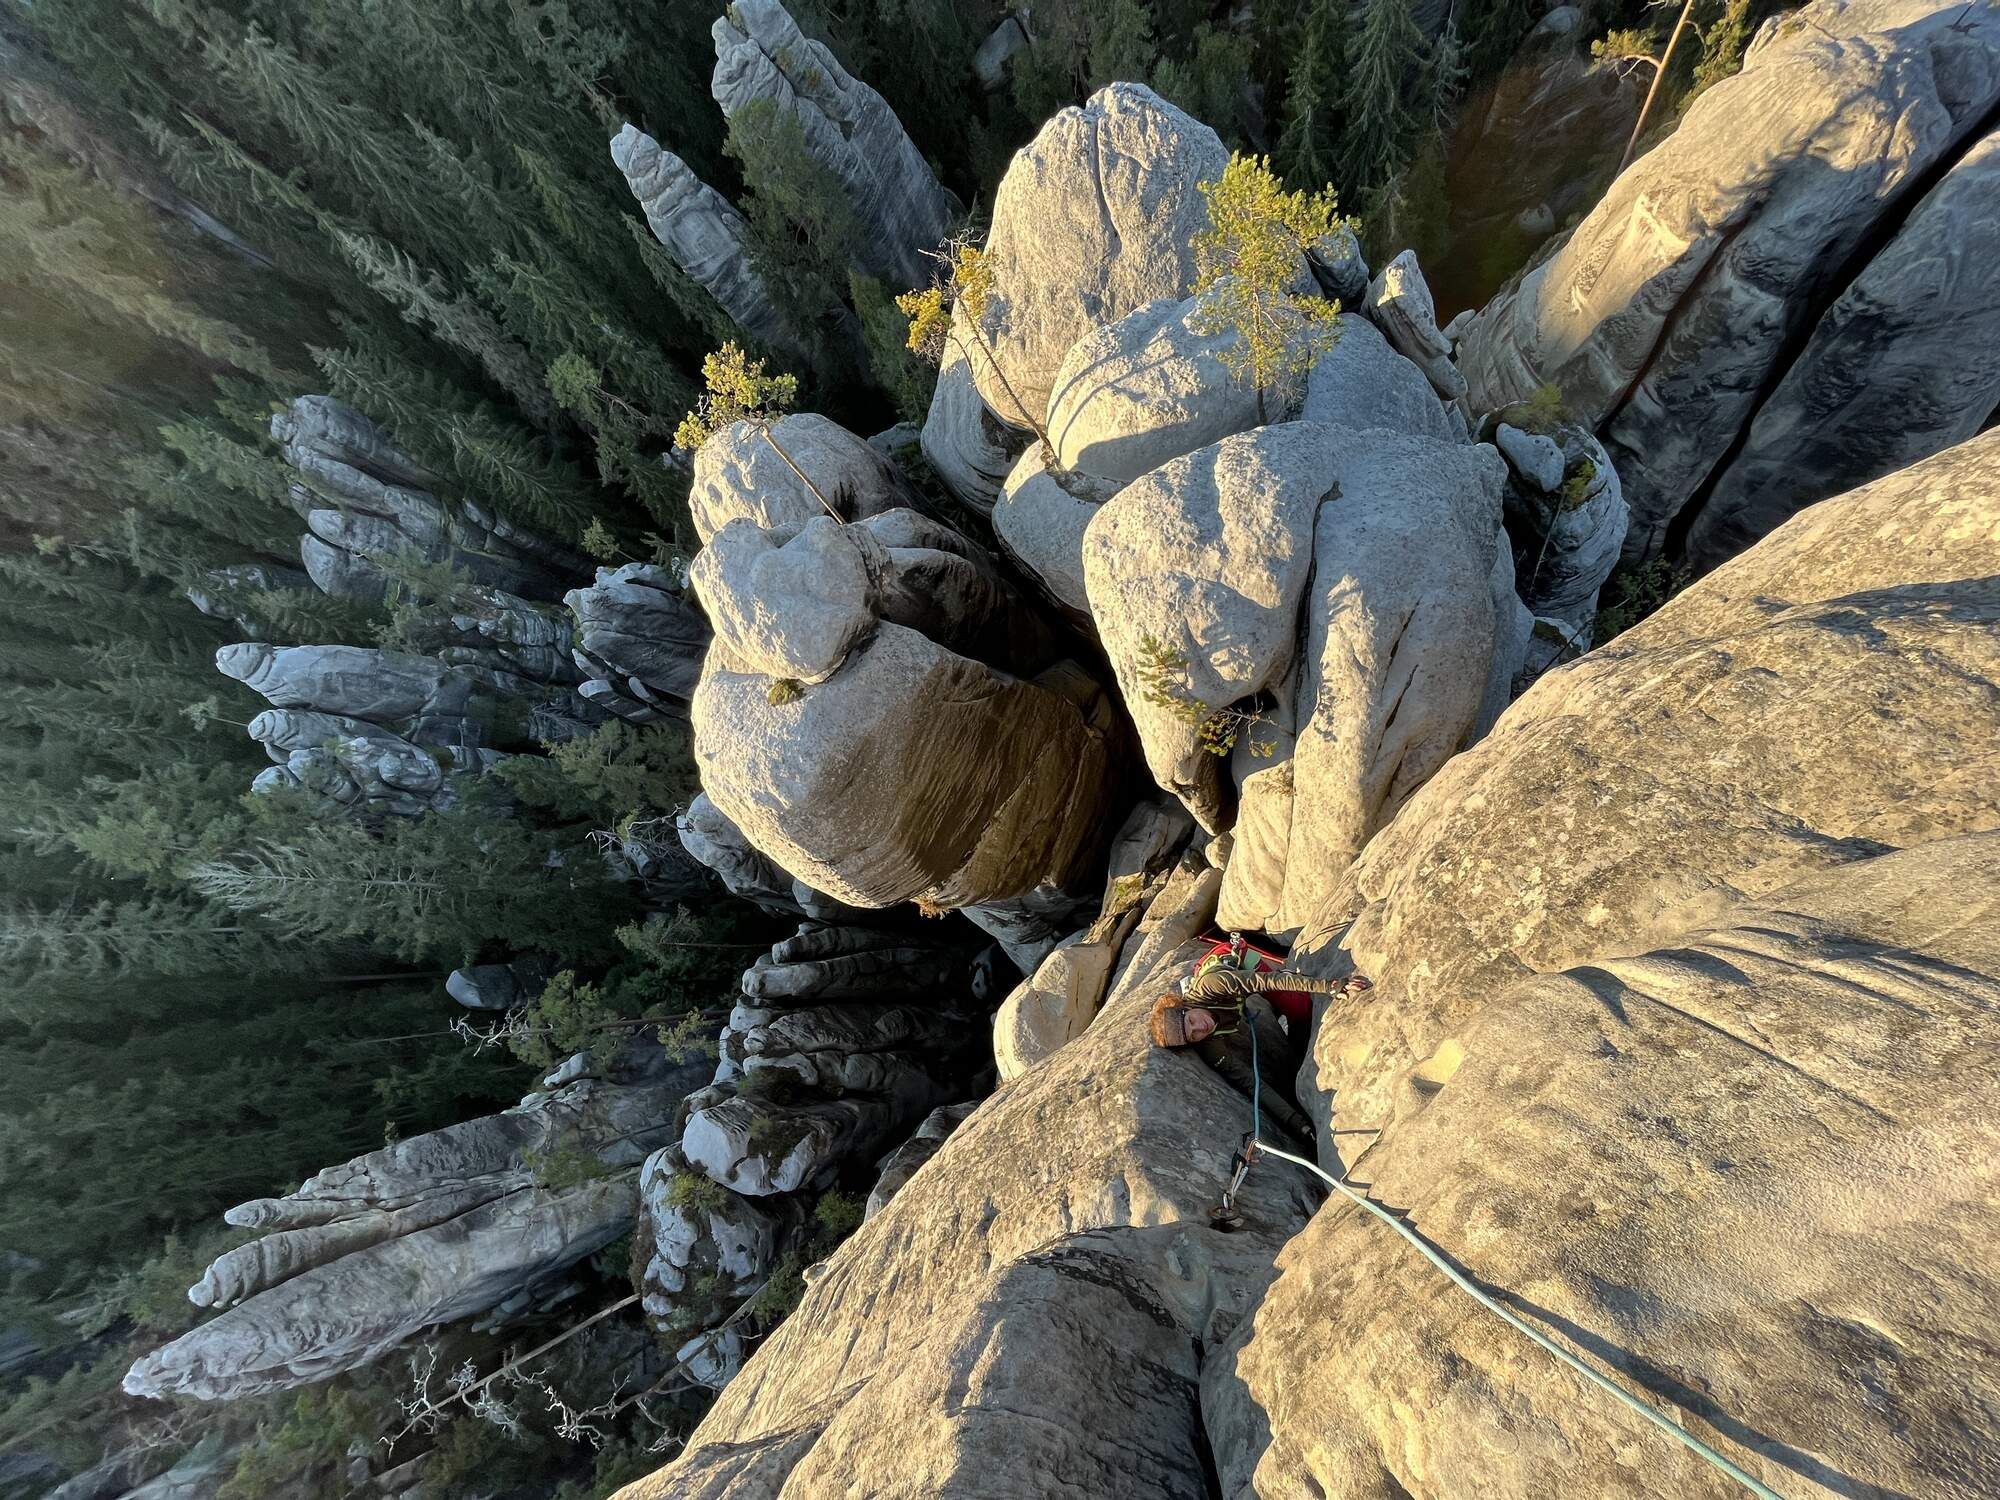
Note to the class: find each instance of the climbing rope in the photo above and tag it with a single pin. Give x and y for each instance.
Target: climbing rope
(1254, 1145)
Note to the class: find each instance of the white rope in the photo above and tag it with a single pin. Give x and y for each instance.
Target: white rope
(1658, 1418)
(1645, 1409)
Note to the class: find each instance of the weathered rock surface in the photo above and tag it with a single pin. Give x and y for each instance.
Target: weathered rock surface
(760, 54)
(833, 639)
(431, 1230)
(374, 777)
(1906, 362)
(1400, 304)
(1063, 991)
(1832, 694)
(1152, 386)
(971, 449)
(1398, 641)
(792, 601)
(899, 1166)
(1094, 219)
(1673, 308)
(703, 232)
(639, 635)
(1040, 519)
(743, 471)
(1001, 793)
(1361, 382)
(989, 63)
(1322, 601)
(1206, 559)
(703, 1248)
(1747, 1171)
(359, 494)
(378, 733)
(1566, 520)
(1696, 1067)
(1681, 1041)
(843, 1036)
(1033, 1311)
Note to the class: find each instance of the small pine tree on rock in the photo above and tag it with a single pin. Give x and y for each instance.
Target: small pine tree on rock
(1249, 260)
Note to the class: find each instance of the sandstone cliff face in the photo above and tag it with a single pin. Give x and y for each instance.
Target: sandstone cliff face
(1031, 1313)
(1681, 1040)
(1726, 273)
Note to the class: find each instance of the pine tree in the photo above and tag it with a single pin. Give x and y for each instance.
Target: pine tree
(1248, 260)
(1377, 120)
(1305, 149)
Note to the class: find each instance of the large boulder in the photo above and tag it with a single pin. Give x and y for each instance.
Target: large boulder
(786, 470)
(1003, 791)
(1152, 386)
(1313, 612)
(1095, 218)
(1398, 637)
(1670, 313)
(1905, 362)
(835, 633)
(438, 1228)
(849, 129)
(1195, 575)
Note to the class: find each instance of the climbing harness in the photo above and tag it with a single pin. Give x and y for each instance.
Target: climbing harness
(1226, 1216)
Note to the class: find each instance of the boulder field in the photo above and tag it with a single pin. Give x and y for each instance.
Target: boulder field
(1685, 948)
(1687, 978)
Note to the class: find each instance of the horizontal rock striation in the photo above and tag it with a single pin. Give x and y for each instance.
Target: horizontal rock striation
(432, 1230)
(362, 497)
(1034, 1308)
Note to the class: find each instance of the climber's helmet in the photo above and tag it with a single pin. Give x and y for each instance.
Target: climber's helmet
(1175, 1023)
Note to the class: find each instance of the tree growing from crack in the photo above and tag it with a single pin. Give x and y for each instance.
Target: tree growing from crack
(736, 388)
(1247, 263)
(966, 284)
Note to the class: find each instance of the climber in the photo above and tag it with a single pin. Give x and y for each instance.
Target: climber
(1233, 988)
